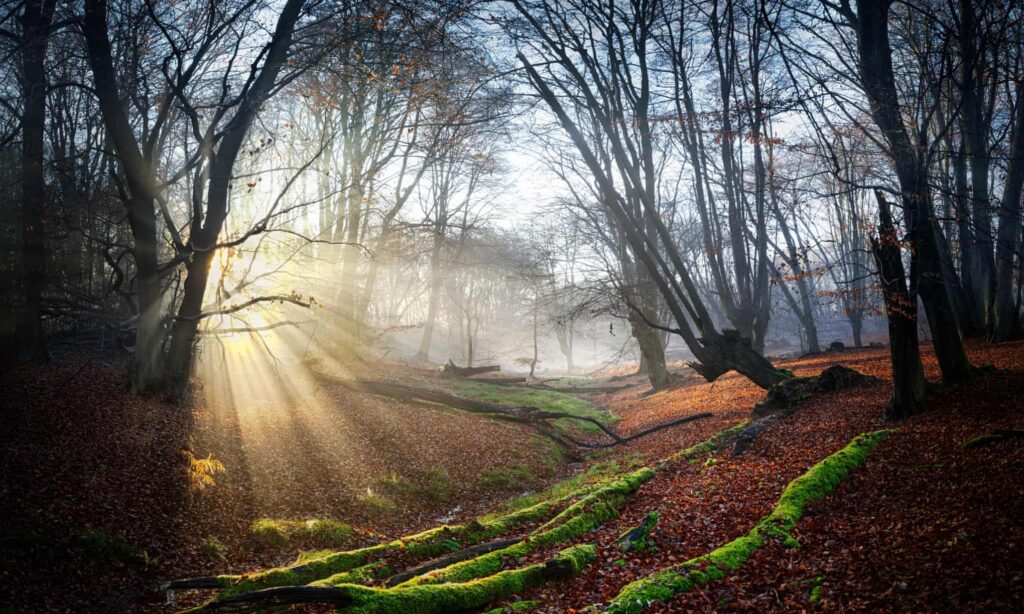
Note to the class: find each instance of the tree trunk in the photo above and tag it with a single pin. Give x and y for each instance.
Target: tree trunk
(435, 299)
(1006, 319)
(908, 397)
(878, 79)
(35, 22)
(856, 324)
(652, 352)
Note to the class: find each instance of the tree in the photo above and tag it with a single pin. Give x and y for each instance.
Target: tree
(616, 100)
(211, 165)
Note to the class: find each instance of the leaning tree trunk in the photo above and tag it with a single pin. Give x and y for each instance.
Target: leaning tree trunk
(908, 383)
(183, 336)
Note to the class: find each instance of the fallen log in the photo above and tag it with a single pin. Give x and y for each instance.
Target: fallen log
(533, 416)
(450, 559)
(453, 369)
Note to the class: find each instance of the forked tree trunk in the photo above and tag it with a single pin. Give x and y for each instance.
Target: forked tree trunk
(908, 383)
(879, 83)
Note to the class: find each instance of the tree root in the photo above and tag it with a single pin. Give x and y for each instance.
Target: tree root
(997, 435)
(450, 559)
(450, 597)
(595, 507)
(784, 397)
(588, 513)
(430, 543)
(537, 418)
(818, 482)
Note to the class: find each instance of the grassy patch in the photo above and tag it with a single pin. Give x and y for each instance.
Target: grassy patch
(375, 503)
(512, 396)
(435, 486)
(506, 478)
(594, 475)
(213, 548)
(325, 531)
(107, 549)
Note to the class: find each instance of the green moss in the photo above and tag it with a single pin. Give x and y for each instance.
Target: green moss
(360, 575)
(815, 484)
(815, 595)
(704, 448)
(449, 597)
(588, 513)
(579, 484)
(317, 565)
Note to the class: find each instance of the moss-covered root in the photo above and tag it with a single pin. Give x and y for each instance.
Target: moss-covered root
(994, 436)
(430, 543)
(705, 447)
(587, 514)
(427, 599)
(818, 482)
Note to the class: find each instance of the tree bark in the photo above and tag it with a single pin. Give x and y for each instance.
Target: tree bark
(35, 24)
(908, 383)
(878, 80)
(1006, 317)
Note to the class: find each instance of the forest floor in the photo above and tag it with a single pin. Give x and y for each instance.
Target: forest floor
(99, 505)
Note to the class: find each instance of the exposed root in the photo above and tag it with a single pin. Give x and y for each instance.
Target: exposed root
(428, 599)
(430, 543)
(815, 484)
(539, 419)
(999, 435)
(784, 397)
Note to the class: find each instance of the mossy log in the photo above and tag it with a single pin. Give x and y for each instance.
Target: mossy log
(819, 481)
(426, 599)
(450, 559)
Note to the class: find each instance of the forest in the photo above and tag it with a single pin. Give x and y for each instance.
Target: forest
(504, 306)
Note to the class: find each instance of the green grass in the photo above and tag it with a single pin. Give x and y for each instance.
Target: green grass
(436, 486)
(594, 475)
(325, 531)
(512, 396)
(213, 548)
(506, 479)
